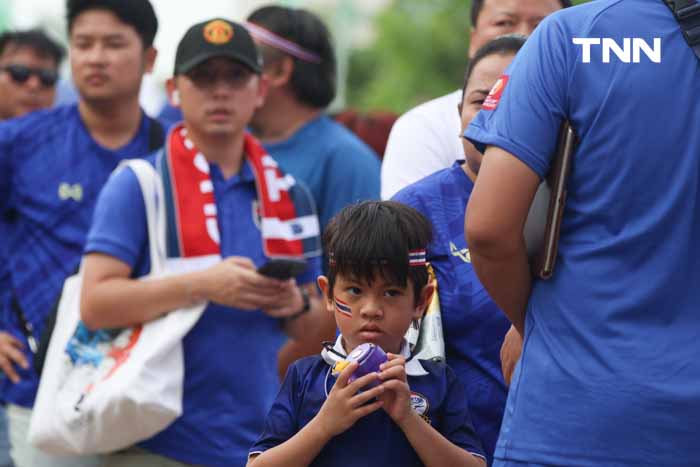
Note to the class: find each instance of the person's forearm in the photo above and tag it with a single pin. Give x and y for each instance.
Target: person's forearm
(299, 450)
(122, 302)
(308, 324)
(434, 449)
(507, 278)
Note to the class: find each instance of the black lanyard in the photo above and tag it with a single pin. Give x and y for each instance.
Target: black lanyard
(27, 328)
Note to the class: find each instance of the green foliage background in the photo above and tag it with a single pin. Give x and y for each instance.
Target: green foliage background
(420, 52)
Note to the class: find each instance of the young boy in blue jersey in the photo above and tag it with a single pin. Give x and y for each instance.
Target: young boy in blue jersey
(417, 414)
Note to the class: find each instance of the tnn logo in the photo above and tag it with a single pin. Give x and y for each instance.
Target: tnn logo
(630, 52)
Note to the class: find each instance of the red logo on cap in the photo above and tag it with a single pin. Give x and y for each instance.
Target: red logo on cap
(218, 32)
(491, 101)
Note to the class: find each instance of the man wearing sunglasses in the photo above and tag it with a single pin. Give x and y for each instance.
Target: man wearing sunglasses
(53, 164)
(29, 63)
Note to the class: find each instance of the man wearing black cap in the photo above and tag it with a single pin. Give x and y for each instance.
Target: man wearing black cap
(53, 164)
(223, 187)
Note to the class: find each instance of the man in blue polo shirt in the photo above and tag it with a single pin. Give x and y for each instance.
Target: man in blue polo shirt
(609, 371)
(230, 353)
(52, 166)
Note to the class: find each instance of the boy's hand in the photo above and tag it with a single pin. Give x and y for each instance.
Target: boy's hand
(344, 405)
(397, 394)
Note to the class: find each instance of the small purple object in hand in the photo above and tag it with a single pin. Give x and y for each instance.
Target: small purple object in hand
(369, 357)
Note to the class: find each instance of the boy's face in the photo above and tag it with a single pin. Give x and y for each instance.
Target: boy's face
(379, 313)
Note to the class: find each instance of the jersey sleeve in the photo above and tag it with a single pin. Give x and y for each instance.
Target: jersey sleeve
(281, 421)
(524, 117)
(119, 222)
(457, 425)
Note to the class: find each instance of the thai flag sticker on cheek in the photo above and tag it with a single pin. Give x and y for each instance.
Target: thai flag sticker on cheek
(491, 101)
(342, 307)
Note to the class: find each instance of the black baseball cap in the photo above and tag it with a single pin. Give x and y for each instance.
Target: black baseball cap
(216, 38)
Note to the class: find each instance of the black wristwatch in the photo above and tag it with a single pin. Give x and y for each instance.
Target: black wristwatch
(305, 307)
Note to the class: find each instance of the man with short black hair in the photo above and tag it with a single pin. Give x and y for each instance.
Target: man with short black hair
(226, 191)
(53, 164)
(427, 138)
(29, 62)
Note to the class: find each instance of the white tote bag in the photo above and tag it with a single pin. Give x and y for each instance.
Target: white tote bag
(104, 391)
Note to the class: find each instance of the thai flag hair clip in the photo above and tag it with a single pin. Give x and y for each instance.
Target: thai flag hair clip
(417, 258)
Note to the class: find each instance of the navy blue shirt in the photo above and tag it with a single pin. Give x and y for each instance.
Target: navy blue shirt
(610, 373)
(51, 172)
(374, 439)
(230, 354)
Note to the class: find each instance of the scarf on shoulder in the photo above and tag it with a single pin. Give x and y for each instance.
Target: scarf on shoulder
(288, 223)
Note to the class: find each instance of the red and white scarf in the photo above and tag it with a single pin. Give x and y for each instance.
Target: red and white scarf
(288, 222)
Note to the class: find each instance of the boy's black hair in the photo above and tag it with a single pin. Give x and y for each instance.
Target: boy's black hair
(138, 14)
(478, 5)
(507, 44)
(312, 83)
(372, 239)
(34, 39)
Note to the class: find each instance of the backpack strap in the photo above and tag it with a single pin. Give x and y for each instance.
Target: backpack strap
(687, 13)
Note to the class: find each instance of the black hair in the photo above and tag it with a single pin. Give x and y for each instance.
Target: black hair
(138, 14)
(34, 39)
(372, 239)
(312, 83)
(478, 5)
(503, 45)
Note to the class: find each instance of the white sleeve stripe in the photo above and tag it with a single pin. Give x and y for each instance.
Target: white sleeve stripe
(475, 454)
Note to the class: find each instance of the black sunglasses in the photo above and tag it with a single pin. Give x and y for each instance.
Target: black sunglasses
(21, 73)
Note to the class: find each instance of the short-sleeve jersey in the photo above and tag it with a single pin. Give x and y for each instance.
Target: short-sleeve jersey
(335, 165)
(609, 373)
(374, 439)
(51, 172)
(472, 324)
(230, 354)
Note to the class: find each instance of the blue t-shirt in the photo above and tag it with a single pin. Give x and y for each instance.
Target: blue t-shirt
(374, 439)
(230, 354)
(609, 373)
(336, 165)
(51, 172)
(473, 326)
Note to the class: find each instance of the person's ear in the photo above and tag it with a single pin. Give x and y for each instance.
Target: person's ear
(472, 47)
(279, 73)
(424, 299)
(173, 93)
(149, 59)
(327, 293)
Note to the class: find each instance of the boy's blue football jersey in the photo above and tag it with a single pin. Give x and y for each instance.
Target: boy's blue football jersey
(436, 395)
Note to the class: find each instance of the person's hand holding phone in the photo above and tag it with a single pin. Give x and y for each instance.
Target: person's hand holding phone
(235, 282)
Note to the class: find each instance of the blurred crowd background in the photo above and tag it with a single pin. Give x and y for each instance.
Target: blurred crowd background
(421, 45)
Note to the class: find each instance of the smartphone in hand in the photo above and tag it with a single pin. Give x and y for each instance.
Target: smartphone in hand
(282, 269)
